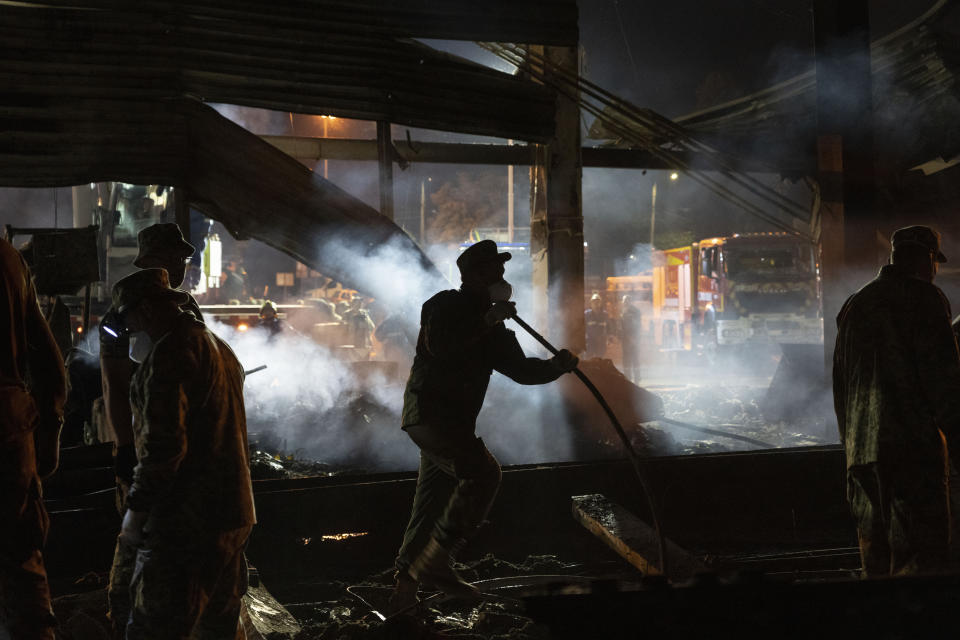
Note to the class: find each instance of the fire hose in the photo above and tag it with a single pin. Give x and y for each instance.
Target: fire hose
(631, 453)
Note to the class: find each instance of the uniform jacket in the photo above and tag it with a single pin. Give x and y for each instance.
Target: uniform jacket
(33, 387)
(896, 372)
(191, 435)
(456, 353)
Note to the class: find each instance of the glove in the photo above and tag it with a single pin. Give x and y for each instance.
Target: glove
(564, 361)
(114, 336)
(499, 312)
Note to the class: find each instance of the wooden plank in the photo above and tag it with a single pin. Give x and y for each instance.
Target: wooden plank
(632, 538)
(262, 616)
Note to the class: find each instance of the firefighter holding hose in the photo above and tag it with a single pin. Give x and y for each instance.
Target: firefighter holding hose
(462, 341)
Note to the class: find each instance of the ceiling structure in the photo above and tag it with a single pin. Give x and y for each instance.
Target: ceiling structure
(104, 90)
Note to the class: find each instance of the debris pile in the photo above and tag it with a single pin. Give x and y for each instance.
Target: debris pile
(736, 410)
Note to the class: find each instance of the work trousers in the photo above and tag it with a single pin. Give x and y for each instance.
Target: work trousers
(902, 517)
(25, 611)
(189, 586)
(456, 486)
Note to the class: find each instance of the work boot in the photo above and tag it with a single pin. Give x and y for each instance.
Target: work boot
(435, 567)
(404, 596)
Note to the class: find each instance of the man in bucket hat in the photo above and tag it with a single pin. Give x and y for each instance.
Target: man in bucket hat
(462, 340)
(896, 372)
(191, 487)
(160, 246)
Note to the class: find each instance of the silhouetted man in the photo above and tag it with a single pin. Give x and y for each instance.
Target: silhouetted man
(190, 507)
(32, 394)
(160, 246)
(896, 376)
(462, 340)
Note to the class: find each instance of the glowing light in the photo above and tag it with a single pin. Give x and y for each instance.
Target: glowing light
(329, 117)
(79, 329)
(674, 175)
(111, 332)
(343, 536)
(243, 326)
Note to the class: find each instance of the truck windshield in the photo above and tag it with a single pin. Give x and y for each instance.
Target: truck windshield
(743, 262)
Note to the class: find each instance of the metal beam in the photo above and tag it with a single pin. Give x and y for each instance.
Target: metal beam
(304, 148)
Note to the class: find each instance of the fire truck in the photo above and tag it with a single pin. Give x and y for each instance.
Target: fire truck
(754, 288)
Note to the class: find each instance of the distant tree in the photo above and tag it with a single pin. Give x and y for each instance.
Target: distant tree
(673, 239)
(471, 200)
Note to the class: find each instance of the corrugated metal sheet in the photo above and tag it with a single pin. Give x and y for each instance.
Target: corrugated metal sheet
(158, 50)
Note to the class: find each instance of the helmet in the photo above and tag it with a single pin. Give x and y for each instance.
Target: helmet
(268, 308)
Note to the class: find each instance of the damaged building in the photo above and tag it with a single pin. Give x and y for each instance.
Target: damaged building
(687, 476)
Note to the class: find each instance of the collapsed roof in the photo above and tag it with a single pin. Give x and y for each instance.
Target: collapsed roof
(110, 90)
(916, 106)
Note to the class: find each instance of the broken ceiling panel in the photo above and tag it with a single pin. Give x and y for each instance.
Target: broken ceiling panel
(162, 50)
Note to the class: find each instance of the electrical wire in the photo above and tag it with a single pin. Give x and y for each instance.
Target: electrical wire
(625, 114)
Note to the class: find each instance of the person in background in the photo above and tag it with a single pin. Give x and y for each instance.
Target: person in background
(33, 391)
(896, 372)
(597, 326)
(631, 328)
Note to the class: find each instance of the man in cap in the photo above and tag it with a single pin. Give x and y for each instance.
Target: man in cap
(32, 394)
(462, 340)
(896, 372)
(190, 507)
(160, 246)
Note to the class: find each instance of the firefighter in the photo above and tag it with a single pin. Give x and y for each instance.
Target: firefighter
(596, 325)
(462, 340)
(160, 246)
(191, 487)
(30, 421)
(896, 372)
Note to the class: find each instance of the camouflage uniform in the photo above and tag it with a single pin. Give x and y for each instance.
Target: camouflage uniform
(117, 368)
(896, 376)
(456, 353)
(28, 355)
(193, 478)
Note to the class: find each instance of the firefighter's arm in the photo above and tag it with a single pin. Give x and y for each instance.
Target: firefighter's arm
(938, 363)
(510, 360)
(48, 383)
(162, 437)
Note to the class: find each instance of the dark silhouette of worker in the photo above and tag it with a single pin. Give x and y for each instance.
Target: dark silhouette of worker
(462, 340)
(269, 319)
(597, 323)
(630, 332)
(190, 507)
(32, 394)
(896, 375)
(160, 246)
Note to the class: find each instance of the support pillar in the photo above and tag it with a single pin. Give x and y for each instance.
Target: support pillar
(849, 216)
(556, 220)
(385, 161)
